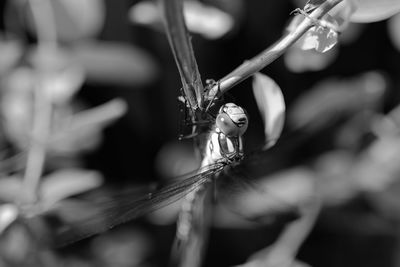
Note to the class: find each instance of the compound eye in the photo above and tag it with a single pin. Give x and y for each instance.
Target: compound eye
(232, 120)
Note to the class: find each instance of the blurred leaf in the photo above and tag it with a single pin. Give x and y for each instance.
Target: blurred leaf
(18, 247)
(332, 99)
(377, 168)
(10, 189)
(302, 56)
(10, 53)
(75, 212)
(321, 39)
(271, 105)
(67, 182)
(298, 60)
(75, 19)
(146, 13)
(175, 159)
(351, 134)
(387, 125)
(351, 33)
(60, 76)
(82, 131)
(201, 18)
(99, 117)
(273, 257)
(335, 184)
(375, 10)
(16, 105)
(207, 20)
(394, 30)
(115, 63)
(8, 214)
(282, 192)
(342, 12)
(126, 247)
(12, 164)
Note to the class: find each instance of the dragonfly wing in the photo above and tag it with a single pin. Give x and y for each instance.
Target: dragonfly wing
(107, 213)
(182, 49)
(252, 195)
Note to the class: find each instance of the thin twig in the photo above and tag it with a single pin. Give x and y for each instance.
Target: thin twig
(266, 57)
(43, 18)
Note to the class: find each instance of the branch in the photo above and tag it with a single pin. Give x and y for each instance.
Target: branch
(43, 18)
(266, 57)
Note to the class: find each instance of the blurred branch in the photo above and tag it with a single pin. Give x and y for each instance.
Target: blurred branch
(283, 252)
(43, 18)
(96, 117)
(295, 234)
(266, 57)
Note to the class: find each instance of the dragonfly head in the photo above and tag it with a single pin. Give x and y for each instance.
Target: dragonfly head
(232, 120)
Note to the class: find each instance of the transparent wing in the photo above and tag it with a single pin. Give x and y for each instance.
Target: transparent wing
(107, 213)
(182, 49)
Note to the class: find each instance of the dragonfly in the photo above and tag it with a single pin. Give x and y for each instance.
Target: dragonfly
(102, 213)
(224, 148)
(218, 135)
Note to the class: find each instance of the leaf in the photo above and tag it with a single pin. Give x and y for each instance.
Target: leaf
(62, 76)
(377, 167)
(115, 63)
(82, 131)
(10, 189)
(298, 61)
(207, 20)
(321, 39)
(271, 105)
(75, 20)
(332, 99)
(10, 52)
(67, 182)
(273, 257)
(203, 19)
(375, 10)
(394, 30)
(387, 125)
(99, 116)
(8, 214)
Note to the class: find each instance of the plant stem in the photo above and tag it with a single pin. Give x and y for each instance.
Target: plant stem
(182, 49)
(266, 57)
(37, 149)
(43, 18)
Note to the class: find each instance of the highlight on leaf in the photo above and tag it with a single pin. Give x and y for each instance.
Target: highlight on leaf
(271, 104)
